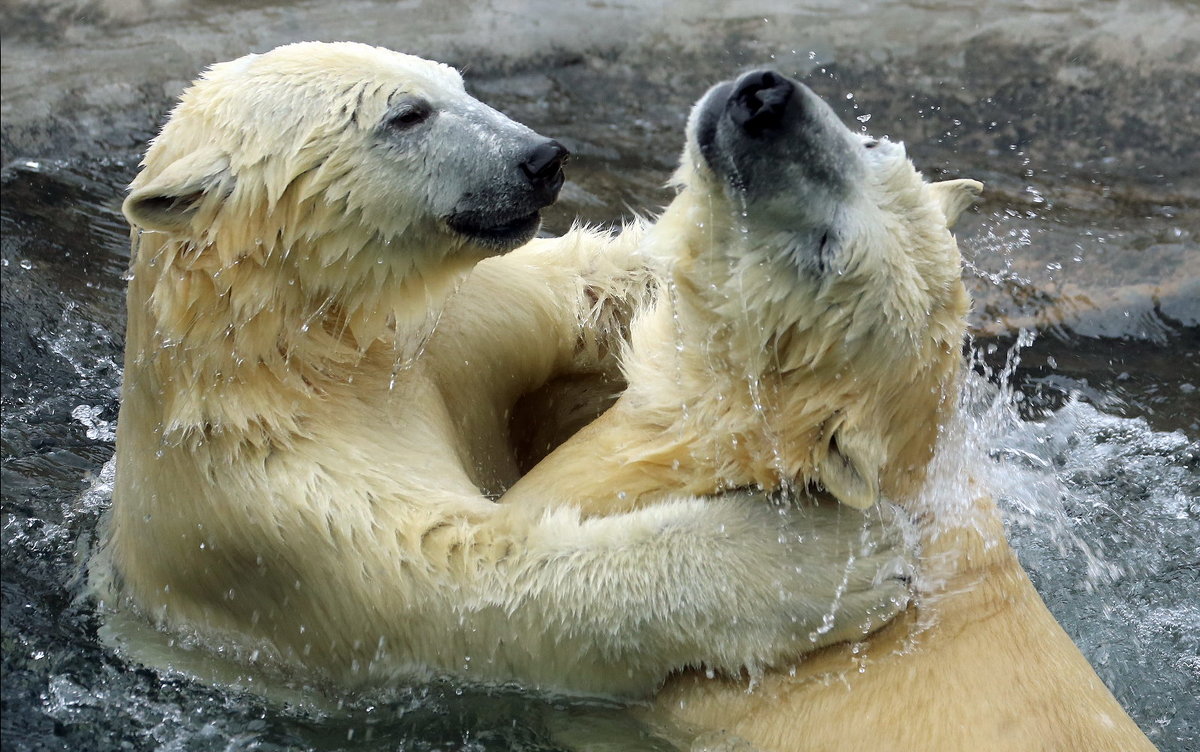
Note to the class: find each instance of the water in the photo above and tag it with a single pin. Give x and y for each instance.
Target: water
(1104, 512)
(1081, 122)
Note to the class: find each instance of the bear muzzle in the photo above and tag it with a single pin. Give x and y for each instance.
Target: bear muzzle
(543, 167)
(759, 101)
(770, 138)
(509, 215)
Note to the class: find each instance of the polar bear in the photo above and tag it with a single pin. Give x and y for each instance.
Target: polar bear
(810, 338)
(315, 418)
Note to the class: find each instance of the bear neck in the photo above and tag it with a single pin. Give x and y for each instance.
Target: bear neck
(768, 427)
(247, 345)
(757, 385)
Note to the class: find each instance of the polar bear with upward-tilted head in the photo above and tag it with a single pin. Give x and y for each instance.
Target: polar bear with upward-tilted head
(809, 342)
(318, 402)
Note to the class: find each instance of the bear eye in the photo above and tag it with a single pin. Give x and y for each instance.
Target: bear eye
(871, 144)
(408, 113)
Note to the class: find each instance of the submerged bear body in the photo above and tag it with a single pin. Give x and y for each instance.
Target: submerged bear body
(809, 343)
(324, 355)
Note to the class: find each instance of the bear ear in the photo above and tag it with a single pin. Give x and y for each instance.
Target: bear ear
(954, 196)
(170, 199)
(850, 469)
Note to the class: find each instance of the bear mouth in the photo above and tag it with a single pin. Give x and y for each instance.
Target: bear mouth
(496, 234)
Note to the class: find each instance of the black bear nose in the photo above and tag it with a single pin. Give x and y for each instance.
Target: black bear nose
(759, 99)
(543, 166)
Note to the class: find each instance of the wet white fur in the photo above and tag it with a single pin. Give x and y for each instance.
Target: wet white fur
(866, 353)
(315, 401)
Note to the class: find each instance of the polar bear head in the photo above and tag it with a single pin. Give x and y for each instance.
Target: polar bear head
(825, 268)
(343, 155)
(309, 206)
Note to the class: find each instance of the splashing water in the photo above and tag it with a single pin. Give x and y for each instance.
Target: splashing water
(1104, 513)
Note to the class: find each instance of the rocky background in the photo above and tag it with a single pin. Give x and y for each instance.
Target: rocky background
(1082, 120)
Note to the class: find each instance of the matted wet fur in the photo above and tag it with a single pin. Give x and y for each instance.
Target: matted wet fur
(316, 409)
(810, 339)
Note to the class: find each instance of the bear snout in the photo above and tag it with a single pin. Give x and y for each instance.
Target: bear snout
(543, 167)
(759, 101)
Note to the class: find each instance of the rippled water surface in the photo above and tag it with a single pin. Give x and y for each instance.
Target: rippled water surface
(1082, 410)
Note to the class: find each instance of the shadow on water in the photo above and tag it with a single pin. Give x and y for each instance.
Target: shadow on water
(1088, 235)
